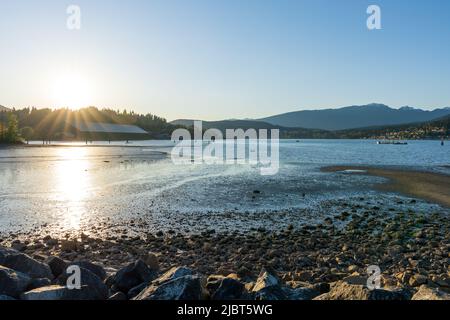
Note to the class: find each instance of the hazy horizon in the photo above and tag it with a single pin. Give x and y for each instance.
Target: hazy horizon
(224, 59)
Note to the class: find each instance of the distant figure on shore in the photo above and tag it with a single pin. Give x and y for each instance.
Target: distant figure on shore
(442, 141)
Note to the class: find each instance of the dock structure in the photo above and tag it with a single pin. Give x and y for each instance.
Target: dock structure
(392, 142)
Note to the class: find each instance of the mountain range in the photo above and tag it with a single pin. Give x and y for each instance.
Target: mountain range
(354, 117)
(351, 117)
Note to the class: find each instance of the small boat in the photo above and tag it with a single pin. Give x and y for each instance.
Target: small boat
(392, 142)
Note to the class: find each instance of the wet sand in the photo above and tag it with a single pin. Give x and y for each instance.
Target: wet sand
(429, 186)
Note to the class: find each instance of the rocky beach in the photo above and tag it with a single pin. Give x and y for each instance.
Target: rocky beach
(323, 261)
(260, 151)
(140, 228)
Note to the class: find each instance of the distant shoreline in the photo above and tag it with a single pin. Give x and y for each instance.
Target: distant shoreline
(83, 142)
(6, 145)
(434, 187)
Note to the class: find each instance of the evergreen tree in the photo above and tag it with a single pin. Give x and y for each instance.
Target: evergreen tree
(12, 132)
(27, 133)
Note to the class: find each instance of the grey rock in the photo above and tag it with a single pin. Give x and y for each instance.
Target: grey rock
(268, 287)
(301, 293)
(46, 293)
(182, 288)
(6, 298)
(118, 296)
(133, 275)
(282, 292)
(173, 273)
(322, 287)
(18, 245)
(89, 280)
(267, 278)
(343, 290)
(152, 261)
(442, 280)
(57, 292)
(213, 283)
(38, 283)
(133, 292)
(396, 294)
(57, 266)
(417, 280)
(271, 293)
(13, 283)
(427, 293)
(229, 289)
(94, 268)
(4, 252)
(25, 264)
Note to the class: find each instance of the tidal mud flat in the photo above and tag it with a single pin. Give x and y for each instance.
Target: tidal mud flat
(434, 187)
(323, 260)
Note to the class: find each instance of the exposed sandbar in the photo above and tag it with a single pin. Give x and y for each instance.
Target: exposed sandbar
(429, 186)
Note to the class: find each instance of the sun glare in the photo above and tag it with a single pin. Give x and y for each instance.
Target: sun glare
(72, 181)
(72, 91)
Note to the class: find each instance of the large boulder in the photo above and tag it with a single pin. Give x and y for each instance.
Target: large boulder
(5, 252)
(442, 280)
(301, 293)
(229, 289)
(118, 296)
(427, 293)
(417, 280)
(152, 261)
(25, 264)
(89, 280)
(13, 283)
(346, 290)
(133, 292)
(18, 245)
(182, 288)
(213, 282)
(133, 275)
(38, 283)
(57, 265)
(269, 287)
(97, 269)
(57, 292)
(174, 273)
(70, 245)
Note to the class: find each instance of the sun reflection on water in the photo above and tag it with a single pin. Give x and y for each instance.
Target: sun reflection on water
(72, 182)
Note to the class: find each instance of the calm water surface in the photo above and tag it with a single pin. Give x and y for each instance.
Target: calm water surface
(74, 185)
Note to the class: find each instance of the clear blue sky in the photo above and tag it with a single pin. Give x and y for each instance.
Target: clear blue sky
(215, 59)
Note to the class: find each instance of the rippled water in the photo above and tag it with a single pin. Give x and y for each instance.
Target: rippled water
(75, 185)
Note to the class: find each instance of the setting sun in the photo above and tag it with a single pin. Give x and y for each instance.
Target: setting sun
(72, 91)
